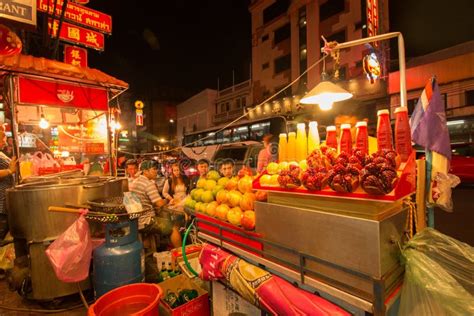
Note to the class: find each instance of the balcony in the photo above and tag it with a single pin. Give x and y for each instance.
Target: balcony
(227, 116)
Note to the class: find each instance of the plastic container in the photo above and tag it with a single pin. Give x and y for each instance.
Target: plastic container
(345, 140)
(291, 149)
(331, 137)
(301, 142)
(282, 147)
(402, 133)
(362, 137)
(384, 130)
(139, 299)
(313, 136)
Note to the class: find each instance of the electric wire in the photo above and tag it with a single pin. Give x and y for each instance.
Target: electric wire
(235, 120)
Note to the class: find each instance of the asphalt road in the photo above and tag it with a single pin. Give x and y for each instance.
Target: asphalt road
(460, 223)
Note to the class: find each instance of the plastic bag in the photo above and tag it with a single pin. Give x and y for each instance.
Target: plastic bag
(441, 191)
(132, 202)
(70, 254)
(438, 276)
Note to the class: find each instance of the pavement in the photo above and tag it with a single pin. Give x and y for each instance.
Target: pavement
(15, 301)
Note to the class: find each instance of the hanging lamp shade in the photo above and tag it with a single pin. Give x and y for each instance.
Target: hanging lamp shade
(326, 92)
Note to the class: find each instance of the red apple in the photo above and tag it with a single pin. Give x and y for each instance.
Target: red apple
(261, 196)
(248, 220)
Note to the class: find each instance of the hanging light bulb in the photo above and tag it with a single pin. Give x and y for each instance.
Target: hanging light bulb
(43, 123)
(325, 105)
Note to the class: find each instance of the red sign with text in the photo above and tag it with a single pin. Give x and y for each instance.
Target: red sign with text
(33, 91)
(76, 34)
(76, 56)
(372, 18)
(78, 14)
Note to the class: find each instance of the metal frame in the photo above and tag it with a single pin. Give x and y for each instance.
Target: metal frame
(300, 274)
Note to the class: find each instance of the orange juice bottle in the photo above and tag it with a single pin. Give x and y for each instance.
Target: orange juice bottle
(313, 136)
(301, 142)
(282, 147)
(291, 149)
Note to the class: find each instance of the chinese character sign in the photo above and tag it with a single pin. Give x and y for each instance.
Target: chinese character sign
(76, 34)
(78, 14)
(372, 18)
(76, 56)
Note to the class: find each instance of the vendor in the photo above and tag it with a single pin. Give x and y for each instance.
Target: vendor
(144, 186)
(7, 169)
(265, 155)
(203, 169)
(131, 170)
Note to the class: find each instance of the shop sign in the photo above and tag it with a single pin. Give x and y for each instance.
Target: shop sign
(76, 56)
(94, 148)
(139, 105)
(76, 34)
(78, 14)
(372, 18)
(32, 91)
(20, 11)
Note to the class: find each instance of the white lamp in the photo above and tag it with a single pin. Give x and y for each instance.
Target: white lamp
(43, 123)
(325, 94)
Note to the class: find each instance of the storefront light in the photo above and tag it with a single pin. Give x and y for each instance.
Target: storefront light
(43, 123)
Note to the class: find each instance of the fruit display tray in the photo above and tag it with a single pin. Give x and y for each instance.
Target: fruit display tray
(244, 239)
(406, 185)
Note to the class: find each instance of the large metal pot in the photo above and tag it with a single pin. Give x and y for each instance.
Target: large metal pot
(28, 204)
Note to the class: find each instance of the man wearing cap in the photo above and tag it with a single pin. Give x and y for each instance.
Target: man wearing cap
(144, 186)
(265, 155)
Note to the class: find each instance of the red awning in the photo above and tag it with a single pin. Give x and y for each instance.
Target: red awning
(55, 69)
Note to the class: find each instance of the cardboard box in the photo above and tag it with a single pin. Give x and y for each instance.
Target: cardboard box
(197, 307)
(226, 302)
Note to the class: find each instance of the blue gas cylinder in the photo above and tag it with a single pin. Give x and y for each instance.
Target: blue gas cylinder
(120, 260)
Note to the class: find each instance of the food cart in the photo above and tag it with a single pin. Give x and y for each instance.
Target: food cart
(60, 125)
(344, 245)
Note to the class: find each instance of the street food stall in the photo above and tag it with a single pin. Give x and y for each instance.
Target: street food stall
(60, 122)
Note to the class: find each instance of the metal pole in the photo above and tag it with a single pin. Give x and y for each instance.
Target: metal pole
(16, 145)
(401, 57)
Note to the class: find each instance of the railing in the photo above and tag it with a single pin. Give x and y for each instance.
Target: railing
(227, 116)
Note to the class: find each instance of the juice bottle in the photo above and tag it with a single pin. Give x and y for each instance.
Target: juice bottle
(362, 137)
(301, 142)
(331, 137)
(402, 133)
(384, 131)
(291, 149)
(313, 136)
(282, 147)
(345, 140)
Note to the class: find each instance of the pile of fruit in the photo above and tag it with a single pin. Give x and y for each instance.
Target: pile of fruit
(227, 199)
(324, 168)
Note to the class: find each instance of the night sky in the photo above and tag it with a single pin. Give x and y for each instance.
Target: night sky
(184, 46)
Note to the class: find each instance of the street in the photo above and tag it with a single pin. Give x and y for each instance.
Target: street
(460, 223)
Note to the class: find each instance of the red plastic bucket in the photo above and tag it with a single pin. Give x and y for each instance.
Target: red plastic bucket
(139, 299)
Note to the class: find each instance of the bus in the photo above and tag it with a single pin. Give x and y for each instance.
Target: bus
(205, 143)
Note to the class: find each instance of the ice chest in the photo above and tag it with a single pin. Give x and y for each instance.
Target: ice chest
(197, 307)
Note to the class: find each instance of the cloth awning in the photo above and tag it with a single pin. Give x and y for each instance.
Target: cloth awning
(40, 66)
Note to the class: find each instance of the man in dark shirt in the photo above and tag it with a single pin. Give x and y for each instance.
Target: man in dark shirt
(203, 169)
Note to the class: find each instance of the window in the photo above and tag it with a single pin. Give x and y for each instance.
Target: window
(244, 102)
(222, 105)
(282, 63)
(265, 38)
(330, 8)
(469, 97)
(227, 106)
(265, 66)
(276, 9)
(282, 33)
(411, 105)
